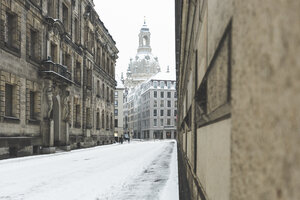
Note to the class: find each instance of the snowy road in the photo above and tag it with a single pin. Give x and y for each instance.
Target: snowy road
(135, 171)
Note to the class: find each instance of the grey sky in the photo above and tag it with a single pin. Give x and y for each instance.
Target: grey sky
(123, 19)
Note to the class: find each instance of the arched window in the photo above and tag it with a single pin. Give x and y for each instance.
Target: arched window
(145, 39)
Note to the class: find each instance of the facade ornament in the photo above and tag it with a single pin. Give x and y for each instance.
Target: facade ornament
(66, 108)
(49, 98)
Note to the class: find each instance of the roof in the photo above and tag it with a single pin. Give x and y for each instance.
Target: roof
(164, 76)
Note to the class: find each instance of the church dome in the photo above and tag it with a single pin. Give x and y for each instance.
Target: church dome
(144, 65)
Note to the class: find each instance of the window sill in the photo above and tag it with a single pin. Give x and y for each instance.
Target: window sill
(33, 60)
(11, 119)
(34, 121)
(12, 50)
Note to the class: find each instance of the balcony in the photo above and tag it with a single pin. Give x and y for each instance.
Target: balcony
(56, 72)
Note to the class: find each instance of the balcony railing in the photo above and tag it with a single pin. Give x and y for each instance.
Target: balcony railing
(56, 70)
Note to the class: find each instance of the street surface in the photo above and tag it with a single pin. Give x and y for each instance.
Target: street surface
(135, 171)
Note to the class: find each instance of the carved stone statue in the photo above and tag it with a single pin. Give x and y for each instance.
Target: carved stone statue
(67, 107)
(49, 96)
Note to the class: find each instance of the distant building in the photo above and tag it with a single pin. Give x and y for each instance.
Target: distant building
(158, 107)
(118, 112)
(150, 101)
(144, 65)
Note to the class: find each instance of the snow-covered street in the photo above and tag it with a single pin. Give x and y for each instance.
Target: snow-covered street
(139, 170)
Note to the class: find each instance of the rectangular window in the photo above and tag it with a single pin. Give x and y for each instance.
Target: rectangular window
(155, 94)
(162, 103)
(98, 88)
(8, 100)
(155, 103)
(161, 122)
(98, 120)
(161, 94)
(103, 90)
(67, 61)
(169, 84)
(161, 112)
(50, 9)
(116, 94)
(169, 112)
(32, 106)
(169, 103)
(116, 103)
(162, 84)
(116, 123)
(154, 122)
(65, 19)
(33, 45)
(116, 112)
(155, 84)
(78, 73)
(175, 112)
(154, 112)
(54, 53)
(77, 114)
(169, 94)
(11, 33)
(76, 30)
(175, 94)
(169, 122)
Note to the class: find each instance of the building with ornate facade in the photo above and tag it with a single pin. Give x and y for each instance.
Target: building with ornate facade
(150, 99)
(57, 66)
(144, 65)
(238, 83)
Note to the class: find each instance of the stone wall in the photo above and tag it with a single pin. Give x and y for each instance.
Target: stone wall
(238, 123)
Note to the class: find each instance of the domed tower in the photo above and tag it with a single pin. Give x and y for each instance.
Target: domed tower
(145, 64)
(144, 39)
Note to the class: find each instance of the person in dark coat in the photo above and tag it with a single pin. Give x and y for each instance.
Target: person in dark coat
(121, 139)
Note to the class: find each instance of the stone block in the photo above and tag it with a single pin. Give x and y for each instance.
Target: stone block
(48, 150)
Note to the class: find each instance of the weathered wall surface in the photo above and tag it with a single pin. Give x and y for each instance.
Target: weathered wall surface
(266, 100)
(213, 163)
(238, 122)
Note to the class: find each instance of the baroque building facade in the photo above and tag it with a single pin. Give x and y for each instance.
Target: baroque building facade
(144, 65)
(57, 66)
(238, 87)
(150, 97)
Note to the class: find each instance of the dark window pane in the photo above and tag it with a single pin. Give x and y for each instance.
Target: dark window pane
(8, 99)
(32, 105)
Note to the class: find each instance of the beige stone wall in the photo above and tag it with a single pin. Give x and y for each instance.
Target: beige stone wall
(239, 61)
(266, 100)
(213, 163)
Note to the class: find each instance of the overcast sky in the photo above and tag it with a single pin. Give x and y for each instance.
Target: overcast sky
(124, 19)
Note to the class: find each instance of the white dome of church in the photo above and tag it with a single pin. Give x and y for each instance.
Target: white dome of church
(144, 65)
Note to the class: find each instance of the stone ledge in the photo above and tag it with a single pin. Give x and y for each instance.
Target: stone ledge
(47, 150)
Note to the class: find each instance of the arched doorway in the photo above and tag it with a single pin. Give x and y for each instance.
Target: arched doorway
(57, 120)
